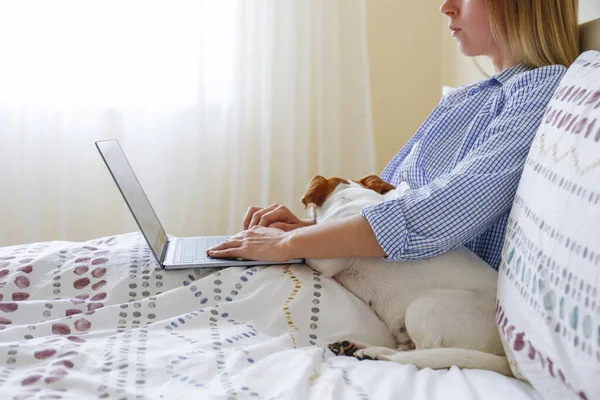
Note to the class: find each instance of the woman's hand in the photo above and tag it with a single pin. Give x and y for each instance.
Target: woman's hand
(258, 243)
(344, 237)
(275, 216)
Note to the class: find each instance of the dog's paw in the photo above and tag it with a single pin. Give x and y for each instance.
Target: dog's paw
(406, 346)
(346, 347)
(374, 353)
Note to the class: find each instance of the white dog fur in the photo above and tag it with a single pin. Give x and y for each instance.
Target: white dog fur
(444, 307)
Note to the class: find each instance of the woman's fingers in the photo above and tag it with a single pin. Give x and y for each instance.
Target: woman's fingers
(248, 217)
(231, 248)
(257, 243)
(284, 227)
(267, 217)
(232, 243)
(281, 214)
(233, 252)
(255, 220)
(272, 216)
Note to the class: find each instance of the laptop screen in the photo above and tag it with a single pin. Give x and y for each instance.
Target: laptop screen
(134, 196)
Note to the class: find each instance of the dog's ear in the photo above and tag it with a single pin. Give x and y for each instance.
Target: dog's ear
(319, 189)
(315, 191)
(377, 184)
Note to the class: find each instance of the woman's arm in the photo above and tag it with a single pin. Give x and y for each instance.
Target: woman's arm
(347, 237)
(459, 205)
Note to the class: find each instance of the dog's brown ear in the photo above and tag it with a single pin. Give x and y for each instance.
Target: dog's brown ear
(319, 189)
(315, 191)
(377, 184)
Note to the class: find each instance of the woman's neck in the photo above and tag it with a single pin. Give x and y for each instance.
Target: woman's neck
(503, 63)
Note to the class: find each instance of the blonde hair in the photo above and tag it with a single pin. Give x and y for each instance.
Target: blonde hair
(536, 32)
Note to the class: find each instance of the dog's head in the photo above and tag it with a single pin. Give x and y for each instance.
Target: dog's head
(320, 188)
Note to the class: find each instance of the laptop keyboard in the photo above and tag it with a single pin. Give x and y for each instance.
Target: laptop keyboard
(193, 250)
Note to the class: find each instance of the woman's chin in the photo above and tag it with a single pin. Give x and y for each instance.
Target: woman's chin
(468, 52)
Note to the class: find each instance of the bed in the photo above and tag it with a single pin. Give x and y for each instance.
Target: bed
(100, 319)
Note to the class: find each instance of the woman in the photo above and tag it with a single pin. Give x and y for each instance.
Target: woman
(463, 165)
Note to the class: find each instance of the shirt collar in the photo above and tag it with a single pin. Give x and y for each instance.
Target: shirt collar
(501, 78)
(507, 74)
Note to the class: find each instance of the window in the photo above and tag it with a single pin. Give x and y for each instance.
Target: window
(116, 52)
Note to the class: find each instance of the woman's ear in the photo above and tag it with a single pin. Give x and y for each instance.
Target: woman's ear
(376, 184)
(319, 189)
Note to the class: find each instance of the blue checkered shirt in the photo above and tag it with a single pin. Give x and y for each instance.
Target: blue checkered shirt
(463, 167)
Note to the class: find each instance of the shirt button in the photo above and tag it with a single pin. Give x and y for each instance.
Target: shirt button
(405, 175)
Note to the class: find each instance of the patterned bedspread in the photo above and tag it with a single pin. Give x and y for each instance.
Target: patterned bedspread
(100, 319)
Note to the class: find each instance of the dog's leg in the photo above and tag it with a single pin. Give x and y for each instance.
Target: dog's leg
(449, 327)
(357, 349)
(455, 318)
(347, 347)
(401, 336)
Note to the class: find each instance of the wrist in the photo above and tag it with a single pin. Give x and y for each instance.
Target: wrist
(290, 245)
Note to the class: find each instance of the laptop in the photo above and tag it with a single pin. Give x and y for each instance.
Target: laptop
(169, 251)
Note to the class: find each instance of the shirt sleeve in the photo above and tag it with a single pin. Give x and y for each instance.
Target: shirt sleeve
(460, 205)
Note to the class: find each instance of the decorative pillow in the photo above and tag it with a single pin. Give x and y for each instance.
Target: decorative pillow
(549, 281)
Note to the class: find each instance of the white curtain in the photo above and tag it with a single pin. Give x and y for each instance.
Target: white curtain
(218, 104)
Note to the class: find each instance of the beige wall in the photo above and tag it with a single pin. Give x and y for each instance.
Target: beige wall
(405, 62)
(589, 9)
(412, 55)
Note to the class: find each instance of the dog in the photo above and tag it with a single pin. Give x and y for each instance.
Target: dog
(440, 310)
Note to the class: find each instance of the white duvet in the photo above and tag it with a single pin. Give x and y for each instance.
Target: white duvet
(101, 320)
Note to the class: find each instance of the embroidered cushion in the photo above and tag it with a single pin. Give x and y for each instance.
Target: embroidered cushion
(548, 310)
